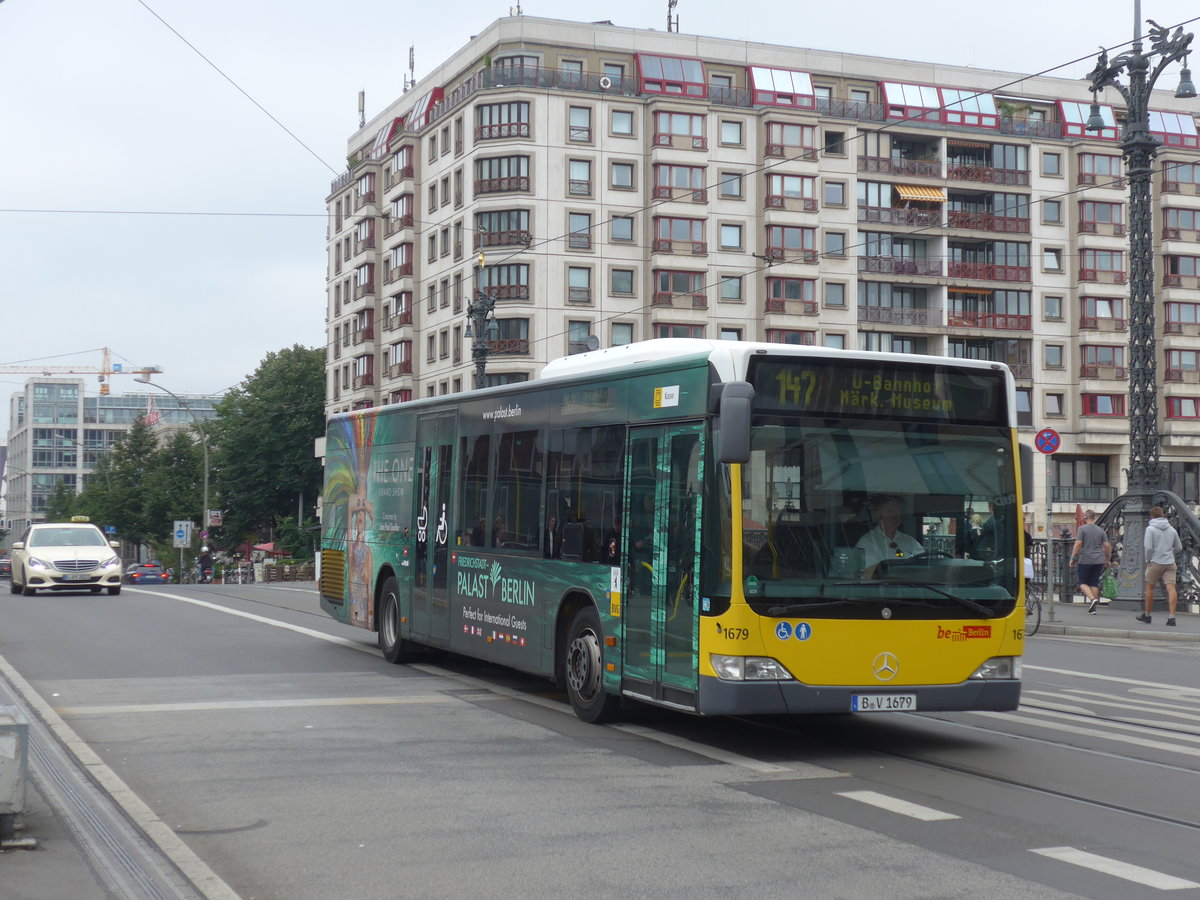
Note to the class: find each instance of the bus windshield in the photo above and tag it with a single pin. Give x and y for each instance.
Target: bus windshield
(843, 516)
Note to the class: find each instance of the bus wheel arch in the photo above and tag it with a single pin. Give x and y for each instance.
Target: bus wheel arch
(395, 648)
(581, 662)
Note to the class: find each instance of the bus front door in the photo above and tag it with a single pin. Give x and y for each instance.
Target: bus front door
(664, 471)
(431, 600)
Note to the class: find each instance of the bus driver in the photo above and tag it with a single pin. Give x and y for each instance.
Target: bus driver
(886, 540)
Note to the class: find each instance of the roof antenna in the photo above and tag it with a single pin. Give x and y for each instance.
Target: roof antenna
(362, 109)
(410, 79)
(672, 22)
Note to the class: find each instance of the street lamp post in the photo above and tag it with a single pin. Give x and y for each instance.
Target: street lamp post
(203, 442)
(1139, 146)
(481, 328)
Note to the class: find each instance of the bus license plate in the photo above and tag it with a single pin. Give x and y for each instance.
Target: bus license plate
(76, 576)
(882, 702)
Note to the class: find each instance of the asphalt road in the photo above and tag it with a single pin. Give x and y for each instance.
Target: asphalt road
(285, 758)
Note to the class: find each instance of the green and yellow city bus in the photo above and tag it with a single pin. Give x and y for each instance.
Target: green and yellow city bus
(718, 527)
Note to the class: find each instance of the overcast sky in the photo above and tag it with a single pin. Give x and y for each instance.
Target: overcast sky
(104, 108)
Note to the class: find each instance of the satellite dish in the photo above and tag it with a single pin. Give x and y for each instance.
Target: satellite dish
(592, 342)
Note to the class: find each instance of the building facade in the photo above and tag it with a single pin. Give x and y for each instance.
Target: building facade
(58, 434)
(599, 185)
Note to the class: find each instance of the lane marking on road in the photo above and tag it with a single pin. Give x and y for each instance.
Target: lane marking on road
(1027, 716)
(898, 806)
(1176, 690)
(1096, 699)
(228, 705)
(1107, 866)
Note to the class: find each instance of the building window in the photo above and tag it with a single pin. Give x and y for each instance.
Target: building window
(579, 129)
(1024, 408)
(577, 337)
(1054, 356)
(791, 140)
(671, 75)
(1054, 405)
(835, 243)
(430, 347)
(622, 228)
(502, 227)
(502, 120)
(1094, 262)
(620, 282)
(669, 285)
(579, 183)
(622, 123)
(792, 242)
(505, 282)
(835, 341)
(835, 193)
(579, 231)
(1181, 314)
(730, 334)
(1183, 407)
(731, 287)
(1052, 164)
(1100, 168)
(501, 173)
(731, 185)
(1052, 259)
(731, 237)
(666, 330)
(622, 176)
(800, 188)
(674, 129)
(579, 284)
(1103, 404)
(1094, 214)
(835, 143)
(791, 336)
(802, 291)
(731, 133)
(622, 334)
(668, 179)
(835, 294)
(1052, 308)
(1052, 212)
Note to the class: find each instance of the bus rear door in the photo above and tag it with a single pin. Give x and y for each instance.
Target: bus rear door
(664, 471)
(434, 457)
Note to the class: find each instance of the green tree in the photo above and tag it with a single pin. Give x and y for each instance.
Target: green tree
(263, 463)
(61, 505)
(116, 493)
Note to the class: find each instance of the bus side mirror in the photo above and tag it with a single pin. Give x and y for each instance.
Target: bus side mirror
(1026, 473)
(737, 397)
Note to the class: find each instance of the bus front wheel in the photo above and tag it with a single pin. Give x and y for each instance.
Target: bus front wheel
(395, 648)
(583, 665)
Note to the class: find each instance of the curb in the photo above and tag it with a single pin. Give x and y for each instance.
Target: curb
(1058, 628)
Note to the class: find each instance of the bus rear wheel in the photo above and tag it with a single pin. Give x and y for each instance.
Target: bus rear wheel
(583, 665)
(395, 648)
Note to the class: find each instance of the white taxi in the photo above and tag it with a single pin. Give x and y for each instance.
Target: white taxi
(65, 556)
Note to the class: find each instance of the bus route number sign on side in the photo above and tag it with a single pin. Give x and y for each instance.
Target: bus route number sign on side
(1047, 441)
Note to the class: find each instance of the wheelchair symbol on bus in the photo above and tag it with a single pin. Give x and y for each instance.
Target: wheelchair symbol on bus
(783, 630)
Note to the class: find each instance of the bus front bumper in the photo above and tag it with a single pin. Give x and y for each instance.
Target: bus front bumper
(723, 698)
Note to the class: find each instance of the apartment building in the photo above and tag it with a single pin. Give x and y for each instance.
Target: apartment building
(57, 435)
(603, 185)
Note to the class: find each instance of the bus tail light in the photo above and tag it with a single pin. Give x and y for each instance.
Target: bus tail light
(999, 667)
(748, 668)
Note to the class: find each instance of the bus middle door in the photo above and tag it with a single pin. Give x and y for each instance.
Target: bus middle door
(434, 457)
(664, 471)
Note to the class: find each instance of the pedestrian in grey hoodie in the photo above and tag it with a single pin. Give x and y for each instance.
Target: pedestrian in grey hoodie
(1160, 543)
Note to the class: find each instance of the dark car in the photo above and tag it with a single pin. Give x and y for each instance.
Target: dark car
(5, 567)
(147, 573)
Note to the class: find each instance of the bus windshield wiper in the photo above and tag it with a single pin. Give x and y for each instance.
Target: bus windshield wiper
(978, 608)
(795, 609)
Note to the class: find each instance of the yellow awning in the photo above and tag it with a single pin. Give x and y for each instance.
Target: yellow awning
(925, 194)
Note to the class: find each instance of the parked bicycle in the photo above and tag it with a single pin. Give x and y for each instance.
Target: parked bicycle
(1033, 608)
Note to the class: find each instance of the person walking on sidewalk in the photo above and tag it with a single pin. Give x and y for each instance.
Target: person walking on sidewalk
(1161, 543)
(1092, 554)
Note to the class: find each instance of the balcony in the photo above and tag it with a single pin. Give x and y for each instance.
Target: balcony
(694, 195)
(788, 151)
(795, 307)
(920, 168)
(991, 321)
(1082, 493)
(364, 244)
(508, 291)
(366, 198)
(363, 335)
(899, 315)
(987, 271)
(1095, 370)
(987, 175)
(1104, 276)
(399, 320)
(394, 224)
(503, 130)
(1185, 376)
(1188, 328)
(1116, 182)
(404, 367)
(896, 265)
(680, 301)
(886, 215)
(1115, 229)
(680, 141)
(502, 239)
(780, 201)
(981, 221)
(365, 380)
(1101, 323)
(696, 248)
(401, 271)
(785, 254)
(509, 346)
(501, 185)
(364, 290)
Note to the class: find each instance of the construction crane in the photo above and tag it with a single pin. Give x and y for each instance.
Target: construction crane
(105, 369)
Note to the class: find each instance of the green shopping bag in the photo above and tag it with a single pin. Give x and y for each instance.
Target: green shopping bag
(1108, 584)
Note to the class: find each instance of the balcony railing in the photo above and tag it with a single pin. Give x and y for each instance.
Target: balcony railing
(503, 130)
(579, 294)
(666, 298)
(366, 380)
(896, 265)
(362, 335)
(781, 201)
(1095, 370)
(666, 192)
(502, 238)
(920, 168)
(1101, 323)
(684, 141)
(364, 244)
(1188, 376)
(982, 221)
(986, 174)
(898, 315)
(793, 152)
(1108, 276)
(696, 248)
(404, 367)
(989, 320)
(501, 185)
(987, 271)
(899, 215)
(509, 346)
(796, 307)
(1082, 493)
(399, 320)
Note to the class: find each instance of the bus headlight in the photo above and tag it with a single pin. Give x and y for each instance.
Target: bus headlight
(999, 667)
(748, 668)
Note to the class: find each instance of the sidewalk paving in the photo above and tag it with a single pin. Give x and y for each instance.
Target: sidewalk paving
(1117, 620)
